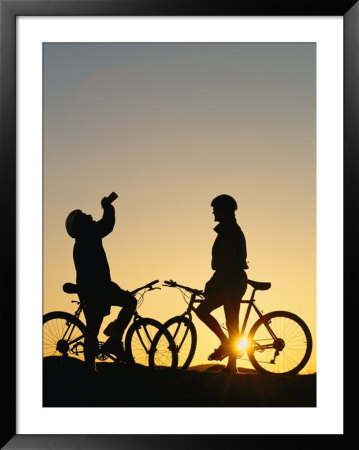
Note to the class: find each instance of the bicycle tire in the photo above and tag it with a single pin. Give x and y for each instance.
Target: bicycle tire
(139, 338)
(292, 331)
(56, 342)
(185, 350)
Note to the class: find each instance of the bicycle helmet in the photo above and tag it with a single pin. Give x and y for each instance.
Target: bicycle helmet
(224, 201)
(71, 222)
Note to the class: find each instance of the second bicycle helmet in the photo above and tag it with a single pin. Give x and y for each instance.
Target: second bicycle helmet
(224, 201)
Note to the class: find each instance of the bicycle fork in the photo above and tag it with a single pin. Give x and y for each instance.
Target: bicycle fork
(63, 345)
(178, 347)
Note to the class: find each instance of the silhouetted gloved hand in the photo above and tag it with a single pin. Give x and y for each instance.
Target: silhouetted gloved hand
(105, 202)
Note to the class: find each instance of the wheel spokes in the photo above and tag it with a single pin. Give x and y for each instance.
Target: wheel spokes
(284, 353)
(163, 353)
(56, 335)
(141, 343)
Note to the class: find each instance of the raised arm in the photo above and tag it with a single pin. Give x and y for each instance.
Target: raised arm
(107, 222)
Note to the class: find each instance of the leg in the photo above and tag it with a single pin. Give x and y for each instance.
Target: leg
(128, 302)
(213, 300)
(93, 323)
(231, 311)
(204, 313)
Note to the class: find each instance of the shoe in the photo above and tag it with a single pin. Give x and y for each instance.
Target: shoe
(220, 353)
(114, 348)
(109, 329)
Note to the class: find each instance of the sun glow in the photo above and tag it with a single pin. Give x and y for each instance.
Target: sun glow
(242, 344)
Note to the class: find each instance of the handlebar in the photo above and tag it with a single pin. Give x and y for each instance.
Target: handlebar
(171, 283)
(146, 286)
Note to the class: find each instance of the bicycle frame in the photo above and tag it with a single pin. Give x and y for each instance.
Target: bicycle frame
(79, 309)
(73, 343)
(136, 315)
(251, 305)
(260, 337)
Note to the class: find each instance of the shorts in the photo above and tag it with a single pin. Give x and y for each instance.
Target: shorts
(99, 299)
(229, 288)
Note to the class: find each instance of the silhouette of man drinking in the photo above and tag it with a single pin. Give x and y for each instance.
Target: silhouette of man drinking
(96, 290)
(229, 281)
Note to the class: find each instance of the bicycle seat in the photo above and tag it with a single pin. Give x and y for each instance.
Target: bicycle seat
(260, 286)
(70, 288)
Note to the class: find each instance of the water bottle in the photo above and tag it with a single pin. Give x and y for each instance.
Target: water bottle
(112, 197)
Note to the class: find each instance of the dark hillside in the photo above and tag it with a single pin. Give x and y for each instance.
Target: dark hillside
(121, 385)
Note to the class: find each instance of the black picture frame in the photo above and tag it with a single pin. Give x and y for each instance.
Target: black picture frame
(9, 10)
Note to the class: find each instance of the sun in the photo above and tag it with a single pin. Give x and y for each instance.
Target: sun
(242, 344)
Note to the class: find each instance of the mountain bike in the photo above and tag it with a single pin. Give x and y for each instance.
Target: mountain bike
(64, 333)
(278, 343)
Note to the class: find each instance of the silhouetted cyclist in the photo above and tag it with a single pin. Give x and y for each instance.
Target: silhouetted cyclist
(229, 281)
(96, 290)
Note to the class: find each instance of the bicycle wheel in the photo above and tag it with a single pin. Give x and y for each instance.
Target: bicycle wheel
(280, 343)
(63, 335)
(139, 339)
(184, 335)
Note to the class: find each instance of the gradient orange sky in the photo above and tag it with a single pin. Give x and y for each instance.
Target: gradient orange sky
(169, 127)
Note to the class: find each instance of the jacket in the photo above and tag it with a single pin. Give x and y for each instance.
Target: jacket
(92, 269)
(229, 251)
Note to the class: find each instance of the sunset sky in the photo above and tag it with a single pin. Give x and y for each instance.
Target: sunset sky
(169, 127)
